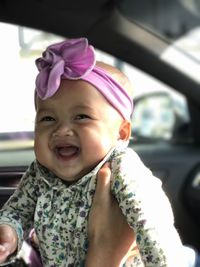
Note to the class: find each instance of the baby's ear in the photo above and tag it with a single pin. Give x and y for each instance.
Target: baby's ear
(125, 130)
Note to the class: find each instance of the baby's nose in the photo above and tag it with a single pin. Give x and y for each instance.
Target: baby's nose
(63, 130)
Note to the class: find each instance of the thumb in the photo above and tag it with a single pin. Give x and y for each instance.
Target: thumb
(103, 183)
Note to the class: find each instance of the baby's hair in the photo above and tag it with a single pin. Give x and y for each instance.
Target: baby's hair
(119, 76)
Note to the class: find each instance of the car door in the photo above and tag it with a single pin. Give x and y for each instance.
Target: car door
(165, 135)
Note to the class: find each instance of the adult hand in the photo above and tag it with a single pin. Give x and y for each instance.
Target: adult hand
(8, 242)
(111, 240)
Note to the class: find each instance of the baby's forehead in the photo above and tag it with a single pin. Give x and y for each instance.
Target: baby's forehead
(77, 98)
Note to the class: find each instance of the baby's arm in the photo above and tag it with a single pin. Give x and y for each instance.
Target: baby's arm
(8, 242)
(17, 215)
(147, 210)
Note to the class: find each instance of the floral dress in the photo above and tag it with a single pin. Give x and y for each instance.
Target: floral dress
(59, 213)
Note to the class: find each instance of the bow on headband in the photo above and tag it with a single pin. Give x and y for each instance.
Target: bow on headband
(74, 59)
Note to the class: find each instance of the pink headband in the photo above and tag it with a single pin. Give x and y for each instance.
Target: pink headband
(74, 59)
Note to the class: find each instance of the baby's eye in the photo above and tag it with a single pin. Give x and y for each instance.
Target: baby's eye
(82, 117)
(47, 118)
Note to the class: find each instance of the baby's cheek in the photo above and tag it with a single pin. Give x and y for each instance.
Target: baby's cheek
(38, 153)
(40, 150)
(108, 142)
(102, 147)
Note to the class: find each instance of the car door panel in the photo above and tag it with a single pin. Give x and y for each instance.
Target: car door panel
(174, 165)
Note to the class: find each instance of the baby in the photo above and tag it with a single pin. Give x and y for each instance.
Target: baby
(83, 120)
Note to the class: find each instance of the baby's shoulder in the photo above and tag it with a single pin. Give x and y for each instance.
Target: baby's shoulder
(126, 158)
(32, 176)
(128, 168)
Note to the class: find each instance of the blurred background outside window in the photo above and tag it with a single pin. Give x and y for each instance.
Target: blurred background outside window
(19, 47)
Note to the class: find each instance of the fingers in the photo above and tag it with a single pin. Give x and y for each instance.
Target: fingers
(8, 241)
(2, 249)
(4, 252)
(109, 232)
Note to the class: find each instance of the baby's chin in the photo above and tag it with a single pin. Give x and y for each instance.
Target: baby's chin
(68, 179)
(72, 173)
(73, 178)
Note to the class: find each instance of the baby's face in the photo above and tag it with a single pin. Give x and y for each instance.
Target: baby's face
(74, 130)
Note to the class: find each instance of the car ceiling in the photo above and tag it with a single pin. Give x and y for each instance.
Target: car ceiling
(79, 15)
(106, 27)
(100, 21)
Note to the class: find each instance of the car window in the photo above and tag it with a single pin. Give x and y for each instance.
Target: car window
(19, 48)
(159, 112)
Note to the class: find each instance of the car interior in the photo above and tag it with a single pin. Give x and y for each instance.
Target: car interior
(156, 43)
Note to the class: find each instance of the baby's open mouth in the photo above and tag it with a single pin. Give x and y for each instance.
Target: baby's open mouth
(67, 152)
